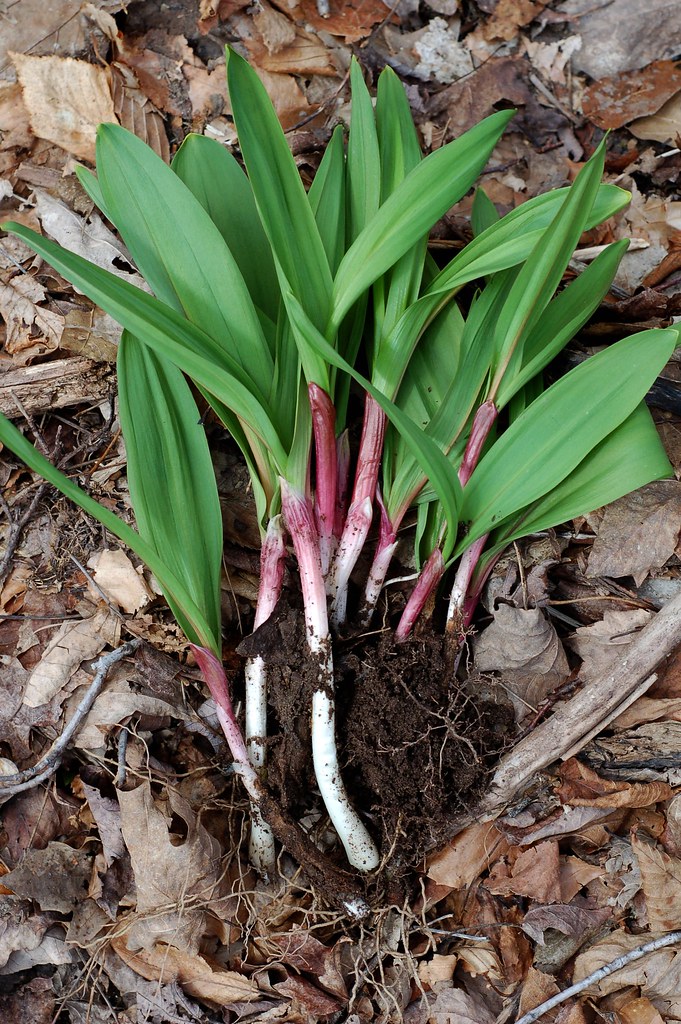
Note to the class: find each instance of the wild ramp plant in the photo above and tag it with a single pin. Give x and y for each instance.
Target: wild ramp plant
(269, 301)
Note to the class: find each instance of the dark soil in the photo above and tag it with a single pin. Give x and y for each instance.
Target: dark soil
(416, 745)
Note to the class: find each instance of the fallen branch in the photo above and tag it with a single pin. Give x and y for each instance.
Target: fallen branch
(578, 720)
(48, 765)
(602, 972)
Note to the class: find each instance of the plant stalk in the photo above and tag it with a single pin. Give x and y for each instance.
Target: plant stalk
(359, 847)
(430, 576)
(357, 527)
(385, 549)
(326, 475)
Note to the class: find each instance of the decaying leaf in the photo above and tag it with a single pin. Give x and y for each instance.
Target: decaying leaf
(614, 102)
(32, 330)
(535, 873)
(524, 647)
(194, 973)
(56, 878)
(661, 884)
(72, 644)
(638, 533)
(116, 575)
(175, 880)
(117, 702)
(463, 859)
(603, 644)
(583, 787)
(573, 921)
(658, 974)
(66, 99)
(662, 126)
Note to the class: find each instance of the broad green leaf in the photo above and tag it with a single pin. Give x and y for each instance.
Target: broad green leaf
(166, 332)
(363, 164)
(628, 458)
(189, 616)
(434, 463)
(542, 272)
(217, 181)
(510, 240)
(179, 250)
(170, 473)
(484, 213)
(427, 192)
(561, 320)
(327, 198)
(560, 428)
(283, 206)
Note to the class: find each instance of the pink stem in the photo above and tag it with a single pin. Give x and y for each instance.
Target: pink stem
(326, 465)
(216, 681)
(430, 576)
(385, 549)
(370, 451)
(464, 574)
(355, 533)
(483, 421)
(272, 559)
(343, 482)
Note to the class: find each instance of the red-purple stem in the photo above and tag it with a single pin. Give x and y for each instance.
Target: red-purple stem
(370, 451)
(430, 576)
(355, 533)
(385, 549)
(459, 596)
(326, 470)
(343, 482)
(483, 421)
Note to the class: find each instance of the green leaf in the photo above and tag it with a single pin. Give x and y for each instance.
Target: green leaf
(363, 164)
(283, 206)
(628, 458)
(427, 192)
(327, 198)
(561, 320)
(167, 333)
(217, 181)
(558, 430)
(170, 474)
(189, 616)
(178, 250)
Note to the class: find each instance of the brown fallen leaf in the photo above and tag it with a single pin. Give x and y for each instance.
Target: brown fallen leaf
(614, 102)
(581, 786)
(535, 874)
(663, 126)
(639, 1011)
(66, 99)
(438, 970)
(524, 647)
(470, 853)
(574, 875)
(168, 873)
(194, 973)
(19, 928)
(121, 582)
(537, 988)
(302, 951)
(638, 533)
(625, 34)
(661, 884)
(658, 974)
(32, 330)
(454, 1005)
(307, 1001)
(463, 103)
(568, 920)
(508, 17)
(56, 878)
(603, 645)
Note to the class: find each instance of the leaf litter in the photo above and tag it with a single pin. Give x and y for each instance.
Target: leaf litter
(159, 906)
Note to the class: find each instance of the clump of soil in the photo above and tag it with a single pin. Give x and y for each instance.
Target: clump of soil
(416, 745)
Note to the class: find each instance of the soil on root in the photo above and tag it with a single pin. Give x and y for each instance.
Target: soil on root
(416, 746)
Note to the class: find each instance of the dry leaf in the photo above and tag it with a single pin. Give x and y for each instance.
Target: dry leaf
(661, 884)
(524, 647)
(307, 1000)
(625, 34)
(438, 970)
(663, 126)
(568, 920)
(614, 102)
(14, 131)
(537, 987)
(508, 17)
(603, 644)
(31, 330)
(658, 974)
(454, 1005)
(70, 645)
(115, 574)
(581, 786)
(302, 951)
(574, 875)
(467, 855)
(117, 702)
(639, 532)
(56, 878)
(639, 1011)
(66, 99)
(536, 874)
(18, 929)
(194, 973)
(107, 815)
(168, 872)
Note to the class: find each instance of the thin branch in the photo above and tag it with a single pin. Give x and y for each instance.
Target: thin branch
(16, 527)
(48, 765)
(602, 972)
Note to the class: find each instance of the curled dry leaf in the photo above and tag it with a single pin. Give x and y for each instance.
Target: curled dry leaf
(524, 647)
(120, 581)
(582, 787)
(639, 1011)
(661, 884)
(467, 855)
(303, 952)
(658, 974)
(197, 976)
(19, 930)
(117, 702)
(66, 99)
(662, 126)
(639, 532)
(23, 315)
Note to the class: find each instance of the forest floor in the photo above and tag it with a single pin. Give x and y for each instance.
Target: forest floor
(507, 877)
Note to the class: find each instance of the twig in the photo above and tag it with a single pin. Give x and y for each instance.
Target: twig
(121, 751)
(602, 972)
(48, 765)
(15, 528)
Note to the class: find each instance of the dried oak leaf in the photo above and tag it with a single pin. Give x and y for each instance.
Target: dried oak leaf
(508, 17)
(66, 99)
(568, 920)
(612, 102)
(470, 853)
(535, 873)
(168, 872)
(661, 884)
(638, 533)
